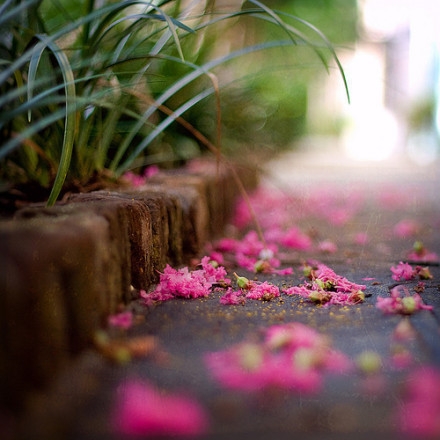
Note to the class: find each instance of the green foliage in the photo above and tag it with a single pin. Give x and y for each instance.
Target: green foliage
(91, 91)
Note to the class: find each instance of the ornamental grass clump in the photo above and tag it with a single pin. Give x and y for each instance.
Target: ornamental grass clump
(90, 90)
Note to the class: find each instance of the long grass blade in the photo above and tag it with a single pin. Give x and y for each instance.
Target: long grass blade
(69, 122)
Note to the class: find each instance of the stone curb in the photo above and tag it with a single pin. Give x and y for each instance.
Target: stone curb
(64, 269)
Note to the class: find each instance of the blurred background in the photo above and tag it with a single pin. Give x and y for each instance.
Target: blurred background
(389, 50)
(269, 69)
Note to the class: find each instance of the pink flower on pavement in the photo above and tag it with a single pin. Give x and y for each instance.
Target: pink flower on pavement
(403, 271)
(263, 291)
(122, 320)
(361, 238)
(213, 272)
(419, 414)
(406, 228)
(401, 304)
(217, 257)
(142, 410)
(292, 336)
(233, 297)
(226, 244)
(421, 254)
(424, 274)
(250, 253)
(327, 246)
(401, 358)
(291, 356)
(341, 216)
(326, 287)
(184, 283)
(295, 239)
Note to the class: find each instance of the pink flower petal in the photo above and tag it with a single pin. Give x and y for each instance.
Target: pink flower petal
(122, 320)
(142, 410)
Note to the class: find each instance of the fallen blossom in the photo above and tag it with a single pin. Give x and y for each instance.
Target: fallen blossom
(401, 357)
(340, 216)
(217, 257)
(361, 238)
(401, 304)
(406, 228)
(404, 331)
(420, 287)
(418, 415)
(403, 271)
(292, 356)
(226, 244)
(143, 410)
(293, 238)
(421, 254)
(122, 320)
(327, 246)
(233, 297)
(250, 253)
(326, 287)
(213, 272)
(424, 274)
(184, 283)
(263, 291)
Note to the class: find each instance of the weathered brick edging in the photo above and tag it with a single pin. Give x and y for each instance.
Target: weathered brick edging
(64, 269)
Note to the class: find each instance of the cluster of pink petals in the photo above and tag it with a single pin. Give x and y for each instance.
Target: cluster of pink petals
(398, 303)
(361, 238)
(406, 228)
(404, 271)
(327, 246)
(263, 291)
(122, 320)
(295, 239)
(252, 254)
(421, 254)
(291, 356)
(184, 283)
(141, 410)
(326, 287)
(419, 414)
(137, 180)
(233, 298)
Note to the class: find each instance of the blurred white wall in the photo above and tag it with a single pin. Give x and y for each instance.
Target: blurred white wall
(393, 75)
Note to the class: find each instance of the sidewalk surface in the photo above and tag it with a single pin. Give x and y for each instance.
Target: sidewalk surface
(357, 370)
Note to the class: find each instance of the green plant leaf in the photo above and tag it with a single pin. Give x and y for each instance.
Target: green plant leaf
(70, 107)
